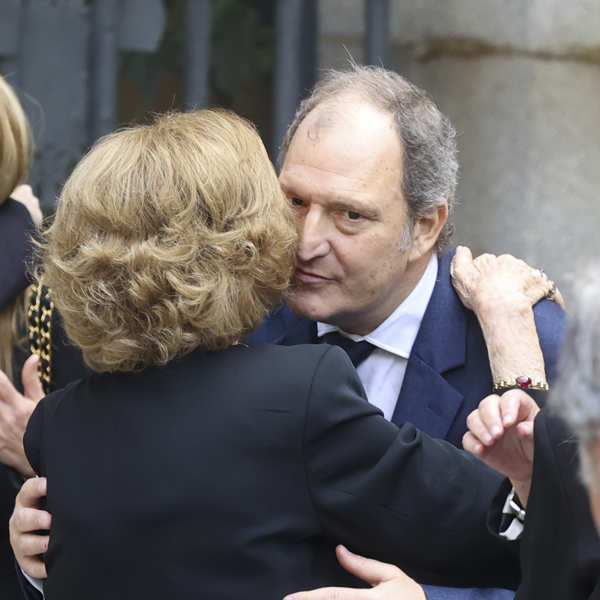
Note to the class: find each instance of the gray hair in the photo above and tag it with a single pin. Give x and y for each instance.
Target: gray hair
(576, 396)
(430, 165)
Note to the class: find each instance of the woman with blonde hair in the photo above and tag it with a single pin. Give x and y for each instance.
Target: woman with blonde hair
(192, 464)
(19, 216)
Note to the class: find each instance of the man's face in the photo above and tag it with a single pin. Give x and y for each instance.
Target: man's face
(342, 174)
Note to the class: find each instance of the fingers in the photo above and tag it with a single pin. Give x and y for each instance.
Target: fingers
(331, 593)
(510, 405)
(31, 544)
(495, 413)
(367, 569)
(24, 194)
(31, 492)
(26, 520)
(462, 259)
(485, 261)
(558, 298)
(472, 444)
(523, 405)
(485, 422)
(525, 430)
(30, 377)
(32, 565)
(8, 392)
(27, 546)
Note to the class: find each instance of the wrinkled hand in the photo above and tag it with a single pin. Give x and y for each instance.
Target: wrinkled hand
(388, 581)
(24, 194)
(26, 519)
(15, 410)
(501, 434)
(504, 280)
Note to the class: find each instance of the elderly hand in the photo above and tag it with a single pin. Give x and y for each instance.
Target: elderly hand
(29, 546)
(490, 281)
(24, 194)
(388, 581)
(15, 410)
(501, 434)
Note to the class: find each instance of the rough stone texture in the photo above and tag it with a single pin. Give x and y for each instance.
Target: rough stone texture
(520, 80)
(526, 24)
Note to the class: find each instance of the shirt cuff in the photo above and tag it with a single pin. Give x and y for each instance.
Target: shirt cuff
(513, 518)
(38, 584)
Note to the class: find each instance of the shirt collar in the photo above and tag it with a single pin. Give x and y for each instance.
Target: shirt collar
(398, 332)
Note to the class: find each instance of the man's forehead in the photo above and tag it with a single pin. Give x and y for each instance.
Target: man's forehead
(348, 116)
(325, 117)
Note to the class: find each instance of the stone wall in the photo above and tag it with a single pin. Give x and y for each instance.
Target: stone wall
(520, 80)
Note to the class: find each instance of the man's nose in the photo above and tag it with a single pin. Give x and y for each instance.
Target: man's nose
(313, 232)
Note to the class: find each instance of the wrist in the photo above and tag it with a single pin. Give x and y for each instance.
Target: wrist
(522, 490)
(489, 308)
(513, 346)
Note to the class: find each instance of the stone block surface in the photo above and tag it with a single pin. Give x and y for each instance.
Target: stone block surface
(520, 80)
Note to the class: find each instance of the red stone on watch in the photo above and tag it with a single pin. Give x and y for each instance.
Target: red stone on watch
(523, 381)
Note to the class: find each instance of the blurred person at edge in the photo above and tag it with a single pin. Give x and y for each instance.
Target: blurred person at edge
(19, 216)
(551, 458)
(369, 167)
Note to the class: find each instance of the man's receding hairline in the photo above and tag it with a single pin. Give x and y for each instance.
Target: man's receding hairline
(338, 111)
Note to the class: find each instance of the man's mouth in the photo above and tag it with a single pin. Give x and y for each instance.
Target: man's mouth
(303, 276)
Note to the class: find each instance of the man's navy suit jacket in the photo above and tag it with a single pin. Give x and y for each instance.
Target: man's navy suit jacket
(448, 371)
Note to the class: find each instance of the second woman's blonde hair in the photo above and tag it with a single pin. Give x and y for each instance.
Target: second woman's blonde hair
(15, 141)
(167, 237)
(15, 148)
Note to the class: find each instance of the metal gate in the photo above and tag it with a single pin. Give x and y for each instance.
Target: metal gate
(64, 58)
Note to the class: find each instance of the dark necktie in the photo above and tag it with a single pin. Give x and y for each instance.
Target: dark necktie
(357, 351)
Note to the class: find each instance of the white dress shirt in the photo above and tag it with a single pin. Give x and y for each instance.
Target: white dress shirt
(382, 372)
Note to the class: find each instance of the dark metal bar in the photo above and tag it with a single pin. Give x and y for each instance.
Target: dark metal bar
(377, 15)
(104, 67)
(308, 56)
(288, 72)
(12, 30)
(197, 52)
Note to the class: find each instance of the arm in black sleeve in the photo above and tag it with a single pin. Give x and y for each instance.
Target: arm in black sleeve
(397, 494)
(32, 440)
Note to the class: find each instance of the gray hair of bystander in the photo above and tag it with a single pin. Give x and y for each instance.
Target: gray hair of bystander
(430, 165)
(576, 396)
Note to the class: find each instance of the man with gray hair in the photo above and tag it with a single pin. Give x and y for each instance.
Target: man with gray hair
(369, 166)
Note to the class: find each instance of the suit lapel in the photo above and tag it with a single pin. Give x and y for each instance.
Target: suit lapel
(426, 399)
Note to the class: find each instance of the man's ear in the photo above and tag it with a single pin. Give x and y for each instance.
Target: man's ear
(426, 231)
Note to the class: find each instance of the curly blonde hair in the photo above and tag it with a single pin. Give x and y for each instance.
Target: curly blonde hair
(168, 237)
(15, 141)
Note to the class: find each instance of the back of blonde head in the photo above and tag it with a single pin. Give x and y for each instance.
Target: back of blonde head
(169, 236)
(15, 142)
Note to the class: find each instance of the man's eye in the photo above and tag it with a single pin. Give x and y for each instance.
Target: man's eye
(296, 202)
(353, 215)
